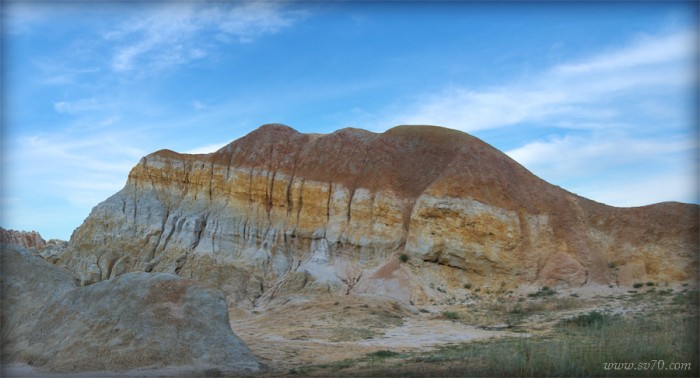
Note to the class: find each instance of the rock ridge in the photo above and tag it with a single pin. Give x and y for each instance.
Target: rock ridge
(26, 239)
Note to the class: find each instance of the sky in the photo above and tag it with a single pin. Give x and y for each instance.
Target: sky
(599, 98)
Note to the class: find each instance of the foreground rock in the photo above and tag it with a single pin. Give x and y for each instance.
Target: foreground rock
(135, 321)
(278, 213)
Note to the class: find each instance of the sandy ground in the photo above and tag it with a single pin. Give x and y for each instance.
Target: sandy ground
(336, 329)
(333, 329)
(323, 332)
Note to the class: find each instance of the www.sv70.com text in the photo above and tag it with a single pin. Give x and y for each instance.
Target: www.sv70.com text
(651, 365)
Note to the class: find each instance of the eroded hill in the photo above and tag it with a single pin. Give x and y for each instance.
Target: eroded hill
(416, 213)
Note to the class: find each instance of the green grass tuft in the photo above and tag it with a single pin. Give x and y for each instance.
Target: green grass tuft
(450, 315)
(381, 354)
(545, 291)
(591, 319)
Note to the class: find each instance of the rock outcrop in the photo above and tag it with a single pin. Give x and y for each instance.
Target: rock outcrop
(278, 212)
(26, 239)
(135, 321)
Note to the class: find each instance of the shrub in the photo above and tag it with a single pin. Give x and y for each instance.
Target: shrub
(650, 283)
(637, 285)
(543, 292)
(403, 257)
(467, 286)
(593, 318)
(383, 354)
(450, 315)
(612, 265)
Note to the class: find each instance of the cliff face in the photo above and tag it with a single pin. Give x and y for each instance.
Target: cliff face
(278, 212)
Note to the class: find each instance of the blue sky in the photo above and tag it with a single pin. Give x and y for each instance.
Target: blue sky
(598, 98)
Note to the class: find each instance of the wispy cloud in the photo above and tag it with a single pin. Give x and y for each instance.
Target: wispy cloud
(78, 106)
(605, 154)
(647, 50)
(67, 169)
(581, 90)
(182, 32)
(198, 105)
(206, 149)
(677, 185)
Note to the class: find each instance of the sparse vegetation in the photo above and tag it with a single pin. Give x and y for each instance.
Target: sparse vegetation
(382, 354)
(450, 315)
(665, 328)
(579, 347)
(591, 319)
(612, 265)
(545, 291)
(687, 298)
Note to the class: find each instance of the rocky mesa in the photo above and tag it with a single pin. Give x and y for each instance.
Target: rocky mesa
(280, 213)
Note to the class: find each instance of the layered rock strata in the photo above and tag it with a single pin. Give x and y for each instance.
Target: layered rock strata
(278, 212)
(26, 239)
(135, 321)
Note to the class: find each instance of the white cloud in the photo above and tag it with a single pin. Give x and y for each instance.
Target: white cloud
(198, 106)
(253, 19)
(647, 50)
(50, 171)
(206, 149)
(78, 106)
(615, 168)
(59, 75)
(180, 33)
(674, 186)
(577, 155)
